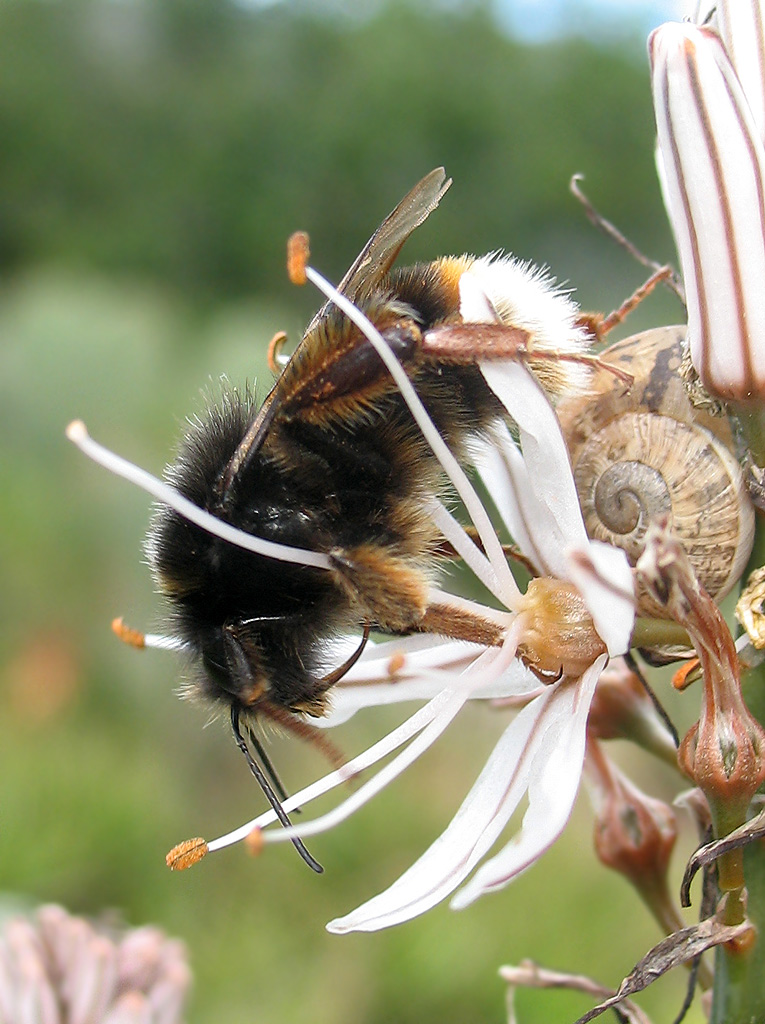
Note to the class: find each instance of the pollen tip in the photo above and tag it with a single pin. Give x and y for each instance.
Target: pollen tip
(129, 636)
(76, 431)
(298, 254)
(396, 663)
(274, 351)
(686, 674)
(186, 854)
(254, 842)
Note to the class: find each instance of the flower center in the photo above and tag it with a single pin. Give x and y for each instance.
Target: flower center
(559, 637)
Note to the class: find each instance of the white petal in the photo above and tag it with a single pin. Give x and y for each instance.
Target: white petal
(504, 474)
(604, 578)
(453, 855)
(557, 522)
(553, 780)
(516, 681)
(714, 164)
(520, 754)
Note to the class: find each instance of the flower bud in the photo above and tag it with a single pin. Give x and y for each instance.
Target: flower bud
(724, 752)
(622, 709)
(634, 834)
(712, 161)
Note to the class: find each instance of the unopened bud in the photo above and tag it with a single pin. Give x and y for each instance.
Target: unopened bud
(634, 834)
(724, 753)
(713, 165)
(622, 709)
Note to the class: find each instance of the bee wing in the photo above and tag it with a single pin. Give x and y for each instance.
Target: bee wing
(380, 252)
(374, 260)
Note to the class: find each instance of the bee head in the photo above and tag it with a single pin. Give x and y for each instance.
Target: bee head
(254, 664)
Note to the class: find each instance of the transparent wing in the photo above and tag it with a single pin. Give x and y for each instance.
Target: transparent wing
(380, 252)
(374, 260)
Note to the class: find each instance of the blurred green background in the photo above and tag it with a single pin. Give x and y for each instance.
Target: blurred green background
(155, 155)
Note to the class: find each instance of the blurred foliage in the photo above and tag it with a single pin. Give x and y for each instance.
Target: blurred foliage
(155, 157)
(186, 139)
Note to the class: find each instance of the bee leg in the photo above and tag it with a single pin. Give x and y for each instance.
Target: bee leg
(466, 344)
(334, 677)
(460, 624)
(388, 591)
(394, 595)
(463, 344)
(599, 326)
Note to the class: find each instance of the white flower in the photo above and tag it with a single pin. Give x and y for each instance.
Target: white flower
(557, 639)
(709, 118)
(581, 613)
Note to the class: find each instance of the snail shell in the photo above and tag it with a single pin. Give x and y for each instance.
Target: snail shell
(645, 453)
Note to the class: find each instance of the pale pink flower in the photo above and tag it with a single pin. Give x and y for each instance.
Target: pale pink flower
(60, 969)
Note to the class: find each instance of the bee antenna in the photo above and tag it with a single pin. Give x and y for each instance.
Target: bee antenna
(267, 788)
(267, 763)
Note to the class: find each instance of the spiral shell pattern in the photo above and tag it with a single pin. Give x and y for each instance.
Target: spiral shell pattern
(647, 454)
(643, 466)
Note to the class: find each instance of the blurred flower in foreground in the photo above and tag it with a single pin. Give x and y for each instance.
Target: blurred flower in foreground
(557, 640)
(60, 969)
(712, 164)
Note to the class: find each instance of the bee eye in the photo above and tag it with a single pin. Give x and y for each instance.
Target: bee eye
(242, 675)
(216, 669)
(226, 665)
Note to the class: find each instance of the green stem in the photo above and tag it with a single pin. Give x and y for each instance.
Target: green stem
(659, 633)
(751, 420)
(739, 989)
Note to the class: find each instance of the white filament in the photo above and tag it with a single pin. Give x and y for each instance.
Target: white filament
(508, 593)
(163, 492)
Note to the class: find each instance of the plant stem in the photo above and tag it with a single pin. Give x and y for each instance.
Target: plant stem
(739, 989)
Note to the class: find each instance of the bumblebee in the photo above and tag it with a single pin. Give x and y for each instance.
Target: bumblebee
(333, 462)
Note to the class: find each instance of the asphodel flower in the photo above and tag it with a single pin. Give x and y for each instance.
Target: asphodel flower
(558, 637)
(709, 120)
